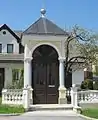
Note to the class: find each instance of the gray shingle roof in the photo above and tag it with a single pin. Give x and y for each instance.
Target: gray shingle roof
(44, 26)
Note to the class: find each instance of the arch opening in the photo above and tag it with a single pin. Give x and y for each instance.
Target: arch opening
(45, 75)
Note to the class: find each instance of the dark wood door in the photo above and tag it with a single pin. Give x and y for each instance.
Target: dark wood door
(52, 83)
(45, 86)
(45, 75)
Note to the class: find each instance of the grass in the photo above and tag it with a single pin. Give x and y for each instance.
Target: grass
(91, 112)
(8, 109)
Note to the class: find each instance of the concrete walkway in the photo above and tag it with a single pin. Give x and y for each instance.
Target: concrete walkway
(45, 115)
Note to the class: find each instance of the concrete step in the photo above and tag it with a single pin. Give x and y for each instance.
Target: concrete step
(50, 113)
(52, 107)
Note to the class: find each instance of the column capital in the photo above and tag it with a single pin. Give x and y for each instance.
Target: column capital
(28, 59)
(61, 59)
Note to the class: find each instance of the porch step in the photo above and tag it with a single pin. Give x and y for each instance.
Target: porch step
(51, 107)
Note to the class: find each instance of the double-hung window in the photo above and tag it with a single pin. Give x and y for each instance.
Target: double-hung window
(9, 48)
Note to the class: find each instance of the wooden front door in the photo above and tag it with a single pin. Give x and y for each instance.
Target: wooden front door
(45, 78)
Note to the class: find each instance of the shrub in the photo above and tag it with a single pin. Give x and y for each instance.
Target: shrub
(95, 85)
(87, 84)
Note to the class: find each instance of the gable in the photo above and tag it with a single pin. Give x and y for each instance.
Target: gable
(5, 27)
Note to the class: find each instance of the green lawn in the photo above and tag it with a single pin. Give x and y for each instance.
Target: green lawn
(7, 109)
(90, 112)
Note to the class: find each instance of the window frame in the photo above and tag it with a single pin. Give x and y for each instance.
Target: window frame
(12, 48)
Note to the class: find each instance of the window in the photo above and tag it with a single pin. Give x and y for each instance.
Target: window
(9, 48)
(15, 74)
(0, 48)
(4, 32)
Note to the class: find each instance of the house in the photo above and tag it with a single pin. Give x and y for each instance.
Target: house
(40, 51)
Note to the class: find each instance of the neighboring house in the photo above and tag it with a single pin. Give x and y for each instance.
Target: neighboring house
(40, 51)
(95, 71)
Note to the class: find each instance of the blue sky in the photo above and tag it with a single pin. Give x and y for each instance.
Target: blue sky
(19, 14)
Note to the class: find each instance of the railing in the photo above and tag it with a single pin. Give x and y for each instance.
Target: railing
(89, 96)
(12, 96)
(11, 56)
(17, 96)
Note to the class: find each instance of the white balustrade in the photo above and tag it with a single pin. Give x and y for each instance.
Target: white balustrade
(88, 96)
(12, 96)
(17, 97)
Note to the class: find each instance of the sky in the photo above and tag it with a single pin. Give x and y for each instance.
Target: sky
(19, 14)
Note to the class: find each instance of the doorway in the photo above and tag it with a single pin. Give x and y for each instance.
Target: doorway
(45, 75)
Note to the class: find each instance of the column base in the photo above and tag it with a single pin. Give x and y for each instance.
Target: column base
(31, 96)
(31, 93)
(62, 96)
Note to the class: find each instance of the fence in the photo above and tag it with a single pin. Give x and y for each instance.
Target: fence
(24, 96)
(12, 96)
(87, 96)
(17, 96)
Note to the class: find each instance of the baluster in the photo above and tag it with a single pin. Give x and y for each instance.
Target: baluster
(10, 98)
(94, 96)
(82, 99)
(6, 97)
(86, 96)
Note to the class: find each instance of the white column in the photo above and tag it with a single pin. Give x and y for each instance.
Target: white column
(62, 90)
(27, 72)
(61, 73)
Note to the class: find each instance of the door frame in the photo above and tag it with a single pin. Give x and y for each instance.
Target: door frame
(46, 73)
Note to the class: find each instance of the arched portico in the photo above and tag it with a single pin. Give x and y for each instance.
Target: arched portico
(45, 75)
(57, 73)
(47, 43)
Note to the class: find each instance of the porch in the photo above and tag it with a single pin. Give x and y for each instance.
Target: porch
(24, 97)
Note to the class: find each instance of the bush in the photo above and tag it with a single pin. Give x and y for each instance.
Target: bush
(95, 85)
(87, 84)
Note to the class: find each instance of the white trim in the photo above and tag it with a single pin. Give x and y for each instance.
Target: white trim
(45, 43)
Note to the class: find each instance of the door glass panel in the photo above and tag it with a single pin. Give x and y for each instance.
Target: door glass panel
(42, 74)
(37, 74)
(51, 81)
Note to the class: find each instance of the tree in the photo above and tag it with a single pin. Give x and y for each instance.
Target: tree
(81, 49)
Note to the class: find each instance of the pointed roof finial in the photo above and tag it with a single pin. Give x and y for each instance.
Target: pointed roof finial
(43, 12)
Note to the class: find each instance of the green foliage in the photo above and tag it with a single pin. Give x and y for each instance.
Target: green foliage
(7, 109)
(87, 84)
(91, 112)
(95, 85)
(18, 79)
(96, 70)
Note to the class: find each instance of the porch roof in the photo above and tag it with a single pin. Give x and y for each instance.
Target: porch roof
(11, 57)
(44, 26)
